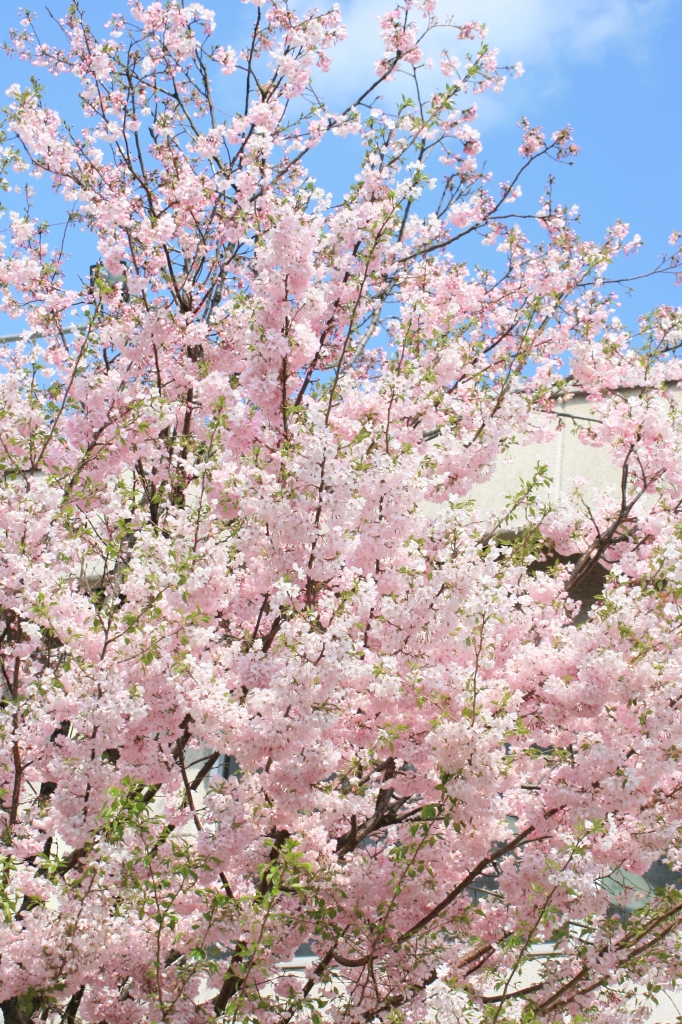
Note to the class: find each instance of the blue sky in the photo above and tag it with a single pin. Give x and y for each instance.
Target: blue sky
(610, 68)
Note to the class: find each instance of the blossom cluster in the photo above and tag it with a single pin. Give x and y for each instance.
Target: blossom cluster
(270, 676)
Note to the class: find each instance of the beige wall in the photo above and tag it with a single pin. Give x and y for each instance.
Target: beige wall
(565, 456)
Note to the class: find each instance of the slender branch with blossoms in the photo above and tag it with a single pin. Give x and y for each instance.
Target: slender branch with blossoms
(271, 679)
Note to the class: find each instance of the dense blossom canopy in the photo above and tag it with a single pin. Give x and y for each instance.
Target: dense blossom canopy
(270, 676)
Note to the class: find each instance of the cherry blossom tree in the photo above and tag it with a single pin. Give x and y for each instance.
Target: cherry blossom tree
(271, 677)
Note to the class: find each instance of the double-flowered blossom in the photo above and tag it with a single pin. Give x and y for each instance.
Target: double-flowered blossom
(273, 681)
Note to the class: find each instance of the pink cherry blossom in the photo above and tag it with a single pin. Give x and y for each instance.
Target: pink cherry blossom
(273, 675)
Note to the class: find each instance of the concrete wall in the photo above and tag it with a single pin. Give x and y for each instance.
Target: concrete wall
(565, 456)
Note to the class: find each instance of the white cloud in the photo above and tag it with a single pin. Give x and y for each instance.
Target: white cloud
(544, 30)
(551, 35)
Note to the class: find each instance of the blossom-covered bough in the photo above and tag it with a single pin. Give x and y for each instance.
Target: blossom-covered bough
(235, 523)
